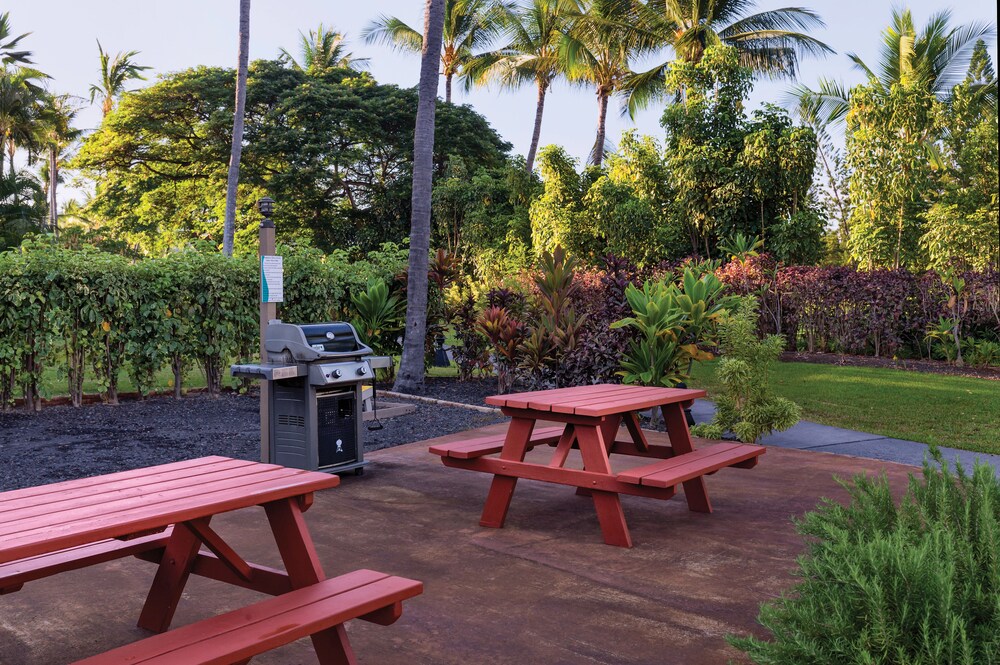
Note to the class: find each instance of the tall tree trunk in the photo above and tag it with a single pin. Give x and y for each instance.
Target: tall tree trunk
(543, 87)
(447, 87)
(602, 117)
(411, 366)
(233, 180)
(53, 182)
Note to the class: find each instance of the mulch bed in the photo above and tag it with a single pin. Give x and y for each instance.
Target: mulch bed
(62, 442)
(929, 366)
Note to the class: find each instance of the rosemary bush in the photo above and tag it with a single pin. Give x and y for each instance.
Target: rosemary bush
(916, 583)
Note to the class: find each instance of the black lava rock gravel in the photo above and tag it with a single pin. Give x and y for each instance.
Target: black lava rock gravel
(62, 442)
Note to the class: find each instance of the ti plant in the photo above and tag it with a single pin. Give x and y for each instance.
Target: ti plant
(746, 405)
(673, 324)
(378, 317)
(943, 333)
(741, 247)
(505, 333)
(557, 326)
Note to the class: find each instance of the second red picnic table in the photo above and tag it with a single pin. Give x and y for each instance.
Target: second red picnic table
(590, 418)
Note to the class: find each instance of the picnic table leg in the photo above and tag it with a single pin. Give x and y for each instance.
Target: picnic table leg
(680, 440)
(171, 576)
(302, 564)
(609, 432)
(515, 446)
(607, 504)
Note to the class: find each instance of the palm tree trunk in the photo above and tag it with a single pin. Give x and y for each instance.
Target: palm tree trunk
(233, 180)
(447, 87)
(411, 365)
(602, 117)
(53, 181)
(543, 88)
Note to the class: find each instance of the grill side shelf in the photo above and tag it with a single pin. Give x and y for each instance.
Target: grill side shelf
(269, 371)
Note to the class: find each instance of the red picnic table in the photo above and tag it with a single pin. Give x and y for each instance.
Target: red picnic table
(162, 514)
(591, 417)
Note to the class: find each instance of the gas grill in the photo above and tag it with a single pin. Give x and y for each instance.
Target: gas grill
(315, 372)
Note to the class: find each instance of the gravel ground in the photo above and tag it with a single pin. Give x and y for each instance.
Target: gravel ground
(465, 392)
(62, 442)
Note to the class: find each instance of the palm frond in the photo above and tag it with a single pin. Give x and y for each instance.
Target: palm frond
(392, 32)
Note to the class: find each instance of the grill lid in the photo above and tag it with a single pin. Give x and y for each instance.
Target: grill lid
(286, 342)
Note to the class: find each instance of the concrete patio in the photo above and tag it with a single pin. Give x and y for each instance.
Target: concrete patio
(543, 590)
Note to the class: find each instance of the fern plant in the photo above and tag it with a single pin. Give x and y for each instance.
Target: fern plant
(747, 406)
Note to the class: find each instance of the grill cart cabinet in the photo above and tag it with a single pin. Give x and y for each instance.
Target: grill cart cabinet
(316, 374)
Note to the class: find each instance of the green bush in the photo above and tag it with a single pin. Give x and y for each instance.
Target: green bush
(747, 407)
(87, 312)
(916, 583)
(672, 322)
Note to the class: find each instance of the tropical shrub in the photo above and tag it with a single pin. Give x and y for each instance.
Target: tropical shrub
(884, 313)
(915, 582)
(673, 323)
(378, 317)
(746, 405)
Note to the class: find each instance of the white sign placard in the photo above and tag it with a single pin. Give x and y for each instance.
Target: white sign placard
(272, 279)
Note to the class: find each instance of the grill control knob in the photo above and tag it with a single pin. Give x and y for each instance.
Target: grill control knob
(336, 374)
(362, 370)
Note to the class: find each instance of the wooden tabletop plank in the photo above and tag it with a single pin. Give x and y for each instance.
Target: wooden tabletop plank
(571, 405)
(70, 511)
(545, 402)
(56, 488)
(521, 400)
(137, 514)
(673, 396)
(595, 400)
(78, 507)
(81, 492)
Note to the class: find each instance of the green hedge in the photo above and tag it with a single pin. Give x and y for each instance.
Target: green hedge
(91, 313)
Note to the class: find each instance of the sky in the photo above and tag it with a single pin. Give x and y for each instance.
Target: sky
(173, 35)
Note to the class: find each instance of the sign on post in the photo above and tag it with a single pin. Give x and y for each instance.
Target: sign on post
(272, 279)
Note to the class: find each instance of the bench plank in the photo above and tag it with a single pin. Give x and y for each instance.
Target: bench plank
(242, 634)
(675, 470)
(13, 575)
(493, 443)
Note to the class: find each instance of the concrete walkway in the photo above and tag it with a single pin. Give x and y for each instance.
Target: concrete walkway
(806, 435)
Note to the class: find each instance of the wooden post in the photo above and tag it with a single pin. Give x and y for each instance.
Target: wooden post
(268, 311)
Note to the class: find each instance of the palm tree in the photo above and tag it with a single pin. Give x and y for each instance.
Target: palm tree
(530, 55)
(8, 54)
(411, 365)
(115, 73)
(598, 50)
(469, 26)
(57, 130)
(934, 59)
(236, 151)
(769, 42)
(324, 49)
(20, 105)
(18, 213)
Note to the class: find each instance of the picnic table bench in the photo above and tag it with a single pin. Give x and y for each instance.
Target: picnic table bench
(162, 514)
(591, 417)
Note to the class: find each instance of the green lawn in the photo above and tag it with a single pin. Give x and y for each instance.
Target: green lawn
(54, 382)
(931, 408)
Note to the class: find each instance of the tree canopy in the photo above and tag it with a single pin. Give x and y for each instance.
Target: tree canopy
(334, 148)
